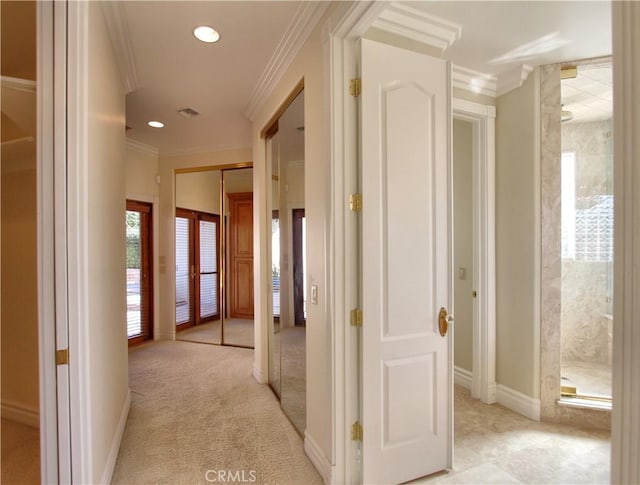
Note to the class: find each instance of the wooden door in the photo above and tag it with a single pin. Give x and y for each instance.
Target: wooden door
(407, 372)
(241, 255)
(139, 272)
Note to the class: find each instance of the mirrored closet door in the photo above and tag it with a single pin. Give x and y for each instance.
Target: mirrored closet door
(287, 325)
(209, 226)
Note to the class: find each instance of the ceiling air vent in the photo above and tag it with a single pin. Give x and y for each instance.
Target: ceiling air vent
(188, 112)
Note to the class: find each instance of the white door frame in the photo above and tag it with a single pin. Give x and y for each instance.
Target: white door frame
(345, 265)
(49, 449)
(482, 117)
(344, 258)
(65, 420)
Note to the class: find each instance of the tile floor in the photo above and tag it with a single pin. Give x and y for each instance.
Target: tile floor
(495, 445)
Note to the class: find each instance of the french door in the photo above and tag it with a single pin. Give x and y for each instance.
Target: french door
(197, 267)
(139, 272)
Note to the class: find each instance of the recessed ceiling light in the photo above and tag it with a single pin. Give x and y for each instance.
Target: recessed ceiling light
(206, 34)
(156, 124)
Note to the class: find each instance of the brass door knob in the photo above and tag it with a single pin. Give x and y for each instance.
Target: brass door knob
(444, 320)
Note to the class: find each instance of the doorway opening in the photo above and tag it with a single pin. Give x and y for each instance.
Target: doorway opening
(21, 243)
(587, 231)
(139, 267)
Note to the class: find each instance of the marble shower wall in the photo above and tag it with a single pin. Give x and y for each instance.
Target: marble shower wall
(551, 267)
(586, 332)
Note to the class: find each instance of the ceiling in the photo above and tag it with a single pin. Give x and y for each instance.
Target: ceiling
(589, 96)
(175, 71)
(498, 36)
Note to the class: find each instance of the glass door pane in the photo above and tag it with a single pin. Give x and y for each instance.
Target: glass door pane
(208, 269)
(139, 270)
(587, 232)
(183, 271)
(134, 313)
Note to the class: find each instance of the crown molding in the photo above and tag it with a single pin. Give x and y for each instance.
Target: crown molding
(142, 147)
(406, 21)
(474, 81)
(121, 41)
(513, 78)
(304, 21)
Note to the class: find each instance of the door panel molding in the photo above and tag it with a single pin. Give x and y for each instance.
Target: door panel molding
(241, 255)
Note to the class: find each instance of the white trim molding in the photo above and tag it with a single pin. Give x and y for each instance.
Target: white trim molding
(142, 147)
(20, 413)
(317, 457)
(46, 48)
(110, 465)
(518, 402)
(625, 437)
(513, 78)
(462, 377)
(482, 117)
(406, 21)
(474, 81)
(121, 40)
(304, 21)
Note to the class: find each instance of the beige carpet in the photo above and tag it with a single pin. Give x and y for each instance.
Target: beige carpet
(20, 454)
(196, 409)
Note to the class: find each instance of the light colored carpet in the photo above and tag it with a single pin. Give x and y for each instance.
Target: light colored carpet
(495, 445)
(20, 454)
(237, 331)
(197, 408)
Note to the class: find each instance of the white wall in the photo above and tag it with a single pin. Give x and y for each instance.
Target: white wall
(312, 64)
(517, 237)
(463, 242)
(141, 171)
(106, 249)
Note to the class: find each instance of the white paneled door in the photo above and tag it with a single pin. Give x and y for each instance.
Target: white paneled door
(406, 258)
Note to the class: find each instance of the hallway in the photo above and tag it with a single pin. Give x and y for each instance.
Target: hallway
(195, 409)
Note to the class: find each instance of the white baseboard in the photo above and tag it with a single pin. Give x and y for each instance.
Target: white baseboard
(462, 377)
(21, 414)
(259, 376)
(166, 336)
(518, 402)
(317, 457)
(117, 439)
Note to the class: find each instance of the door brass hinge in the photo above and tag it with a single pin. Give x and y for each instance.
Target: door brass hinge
(355, 202)
(355, 87)
(356, 431)
(356, 318)
(62, 357)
